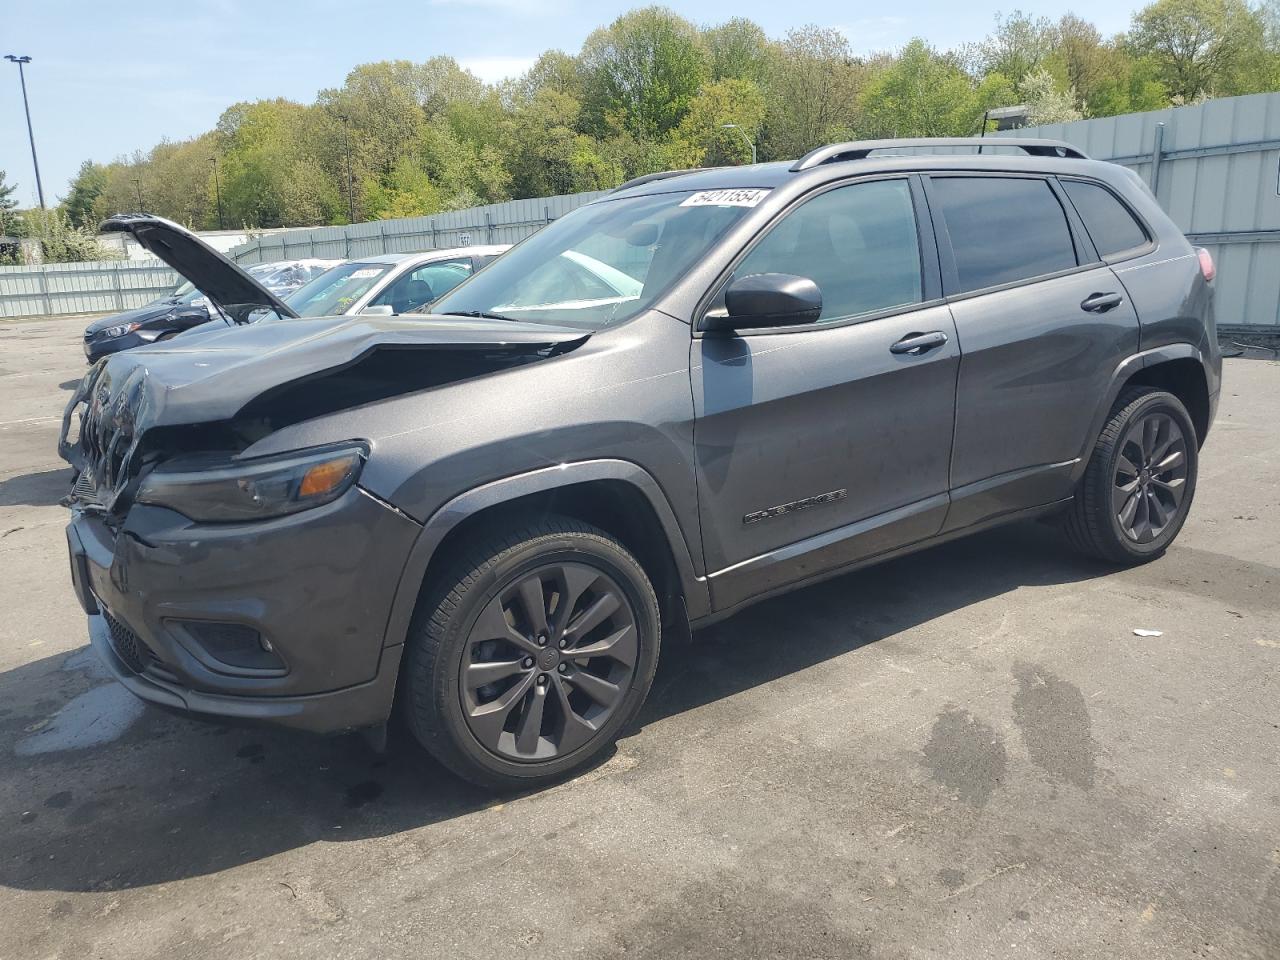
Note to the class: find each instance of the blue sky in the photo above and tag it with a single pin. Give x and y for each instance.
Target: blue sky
(111, 78)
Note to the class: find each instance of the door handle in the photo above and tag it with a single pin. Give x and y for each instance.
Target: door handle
(1101, 302)
(914, 344)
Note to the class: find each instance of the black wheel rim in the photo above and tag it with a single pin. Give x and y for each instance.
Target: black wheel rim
(548, 661)
(1151, 477)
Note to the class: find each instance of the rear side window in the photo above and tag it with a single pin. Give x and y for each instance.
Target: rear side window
(1111, 226)
(857, 243)
(1004, 229)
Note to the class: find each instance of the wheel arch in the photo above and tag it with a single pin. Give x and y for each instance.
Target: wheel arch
(617, 496)
(1180, 368)
(1184, 377)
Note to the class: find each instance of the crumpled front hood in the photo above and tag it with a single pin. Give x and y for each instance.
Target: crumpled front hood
(219, 372)
(217, 375)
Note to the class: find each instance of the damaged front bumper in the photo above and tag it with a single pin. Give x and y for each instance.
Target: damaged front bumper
(241, 622)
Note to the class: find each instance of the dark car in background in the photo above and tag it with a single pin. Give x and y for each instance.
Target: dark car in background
(181, 310)
(187, 307)
(489, 515)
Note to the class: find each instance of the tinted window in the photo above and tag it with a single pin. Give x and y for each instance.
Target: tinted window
(857, 243)
(1004, 229)
(1111, 226)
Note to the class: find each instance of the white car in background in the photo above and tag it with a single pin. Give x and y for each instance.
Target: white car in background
(389, 284)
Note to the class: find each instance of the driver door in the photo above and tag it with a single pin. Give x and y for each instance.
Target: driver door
(820, 445)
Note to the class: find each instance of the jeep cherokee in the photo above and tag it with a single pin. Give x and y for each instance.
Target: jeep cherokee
(703, 389)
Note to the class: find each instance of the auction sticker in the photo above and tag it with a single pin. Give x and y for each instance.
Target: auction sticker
(725, 198)
(364, 273)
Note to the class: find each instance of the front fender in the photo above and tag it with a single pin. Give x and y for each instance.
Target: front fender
(468, 504)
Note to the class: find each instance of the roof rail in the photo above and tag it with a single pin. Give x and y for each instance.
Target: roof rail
(661, 175)
(859, 149)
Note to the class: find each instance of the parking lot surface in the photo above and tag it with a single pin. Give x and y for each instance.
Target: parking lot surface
(964, 753)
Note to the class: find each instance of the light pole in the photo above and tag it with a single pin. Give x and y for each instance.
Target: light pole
(22, 77)
(217, 189)
(351, 183)
(137, 185)
(743, 134)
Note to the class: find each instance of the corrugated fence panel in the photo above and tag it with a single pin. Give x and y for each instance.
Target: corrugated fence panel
(92, 287)
(508, 222)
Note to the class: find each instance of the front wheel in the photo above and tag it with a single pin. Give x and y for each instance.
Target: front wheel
(1137, 490)
(531, 655)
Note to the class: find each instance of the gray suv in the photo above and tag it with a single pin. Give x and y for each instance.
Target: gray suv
(704, 389)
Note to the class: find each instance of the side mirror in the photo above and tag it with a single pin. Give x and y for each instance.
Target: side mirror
(379, 310)
(768, 300)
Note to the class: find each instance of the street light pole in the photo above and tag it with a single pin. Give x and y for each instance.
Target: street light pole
(137, 185)
(351, 183)
(22, 78)
(743, 134)
(217, 189)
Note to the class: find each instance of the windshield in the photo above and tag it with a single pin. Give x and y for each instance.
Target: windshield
(601, 264)
(334, 291)
(182, 291)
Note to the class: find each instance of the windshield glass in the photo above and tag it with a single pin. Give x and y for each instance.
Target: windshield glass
(601, 264)
(334, 291)
(182, 291)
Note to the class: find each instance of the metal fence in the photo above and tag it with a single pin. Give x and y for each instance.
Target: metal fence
(1215, 168)
(495, 223)
(92, 287)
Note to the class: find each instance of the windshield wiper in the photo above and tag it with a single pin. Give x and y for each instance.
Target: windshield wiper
(479, 314)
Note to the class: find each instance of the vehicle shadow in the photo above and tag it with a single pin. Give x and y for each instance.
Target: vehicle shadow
(169, 798)
(42, 489)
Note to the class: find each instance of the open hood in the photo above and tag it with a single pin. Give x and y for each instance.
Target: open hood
(235, 292)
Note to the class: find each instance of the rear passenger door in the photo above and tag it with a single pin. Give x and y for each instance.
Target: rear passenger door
(1042, 323)
(822, 444)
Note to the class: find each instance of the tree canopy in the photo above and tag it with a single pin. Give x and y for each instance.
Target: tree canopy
(653, 90)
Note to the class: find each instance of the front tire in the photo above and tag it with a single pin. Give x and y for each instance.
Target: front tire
(1137, 490)
(531, 654)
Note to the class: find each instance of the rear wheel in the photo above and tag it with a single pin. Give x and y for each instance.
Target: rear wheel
(1138, 487)
(531, 655)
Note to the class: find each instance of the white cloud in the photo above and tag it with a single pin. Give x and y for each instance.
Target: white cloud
(493, 69)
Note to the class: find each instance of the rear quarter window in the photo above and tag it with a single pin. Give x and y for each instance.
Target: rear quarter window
(1112, 228)
(1004, 229)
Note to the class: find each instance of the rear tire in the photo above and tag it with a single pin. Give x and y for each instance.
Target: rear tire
(491, 687)
(1137, 490)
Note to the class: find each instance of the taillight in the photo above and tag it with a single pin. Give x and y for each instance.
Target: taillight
(1207, 268)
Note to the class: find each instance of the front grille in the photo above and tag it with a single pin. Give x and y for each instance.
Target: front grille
(137, 656)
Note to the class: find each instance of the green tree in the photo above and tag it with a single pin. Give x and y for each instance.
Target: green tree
(738, 50)
(82, 201)
(1198, 47)
(924, 94)
(701, 140)
(641, 73)
(814, 83)
(1046, 101)
(7, 203)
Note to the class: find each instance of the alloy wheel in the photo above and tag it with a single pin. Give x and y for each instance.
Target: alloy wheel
(1151, 477)
(548, 661)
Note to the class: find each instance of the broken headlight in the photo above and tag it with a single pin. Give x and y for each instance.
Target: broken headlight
(235, 491)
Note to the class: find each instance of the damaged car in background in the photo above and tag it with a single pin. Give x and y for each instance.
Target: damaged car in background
(700, 390)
